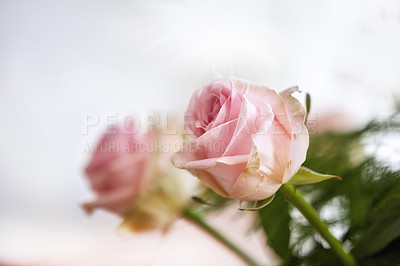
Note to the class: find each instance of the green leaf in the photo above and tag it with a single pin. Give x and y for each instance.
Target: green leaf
(256, 205)
(275, 221)
(380, 234)
(306, 176)
(389, 256)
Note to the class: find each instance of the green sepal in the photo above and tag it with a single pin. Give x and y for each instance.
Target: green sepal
(308, 102)
(257, 205)
(204, 202)
(306, 176)
(308, 107)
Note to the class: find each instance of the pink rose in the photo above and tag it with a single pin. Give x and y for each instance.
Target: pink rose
(248, 139)
(119, 168)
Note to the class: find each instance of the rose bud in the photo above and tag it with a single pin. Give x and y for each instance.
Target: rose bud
(248, 140)
(132, 175)
(120, 168)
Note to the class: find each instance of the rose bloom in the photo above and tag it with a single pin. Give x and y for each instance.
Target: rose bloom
(248, 140)
(120, 168)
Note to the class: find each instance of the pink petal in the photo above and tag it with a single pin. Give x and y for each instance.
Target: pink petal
(259, 95)
(195, 117)
(299, 138)
(266, 166)
(236, 103)
(265, 190)
(216, 173)
(210, 181)
(214, 142)
(118, 201)
(229, 110)
(240, 143)
(250, 119)
(273, 149)
(128, 169)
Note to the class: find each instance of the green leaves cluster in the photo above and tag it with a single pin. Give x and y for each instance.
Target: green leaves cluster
(363, 210)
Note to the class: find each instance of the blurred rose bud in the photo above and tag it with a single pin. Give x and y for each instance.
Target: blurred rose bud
(120, 168)
(132, 175)
(248, 139)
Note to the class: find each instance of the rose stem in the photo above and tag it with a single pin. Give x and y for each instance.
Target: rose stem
(196, 218)
(311, 215)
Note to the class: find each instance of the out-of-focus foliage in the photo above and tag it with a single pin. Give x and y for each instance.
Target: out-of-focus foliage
(275, 220)
(363, 210)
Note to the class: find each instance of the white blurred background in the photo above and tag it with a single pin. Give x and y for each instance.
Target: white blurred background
(62, 61)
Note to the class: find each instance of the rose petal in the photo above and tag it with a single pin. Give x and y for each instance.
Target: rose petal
(210, 181)
(236, 103)
(117, 201)
(265, 190)
(273, 149)
(229, 110)
(266, 166)
(195, 115)
(127, 170)
(240, 142)
(189, 158)
(222, 115)
(213, 143)
(300, 138)
(217, 173)
(250, 119)
(259, 95)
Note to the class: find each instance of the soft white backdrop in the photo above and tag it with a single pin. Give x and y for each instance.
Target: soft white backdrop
(61, 61)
